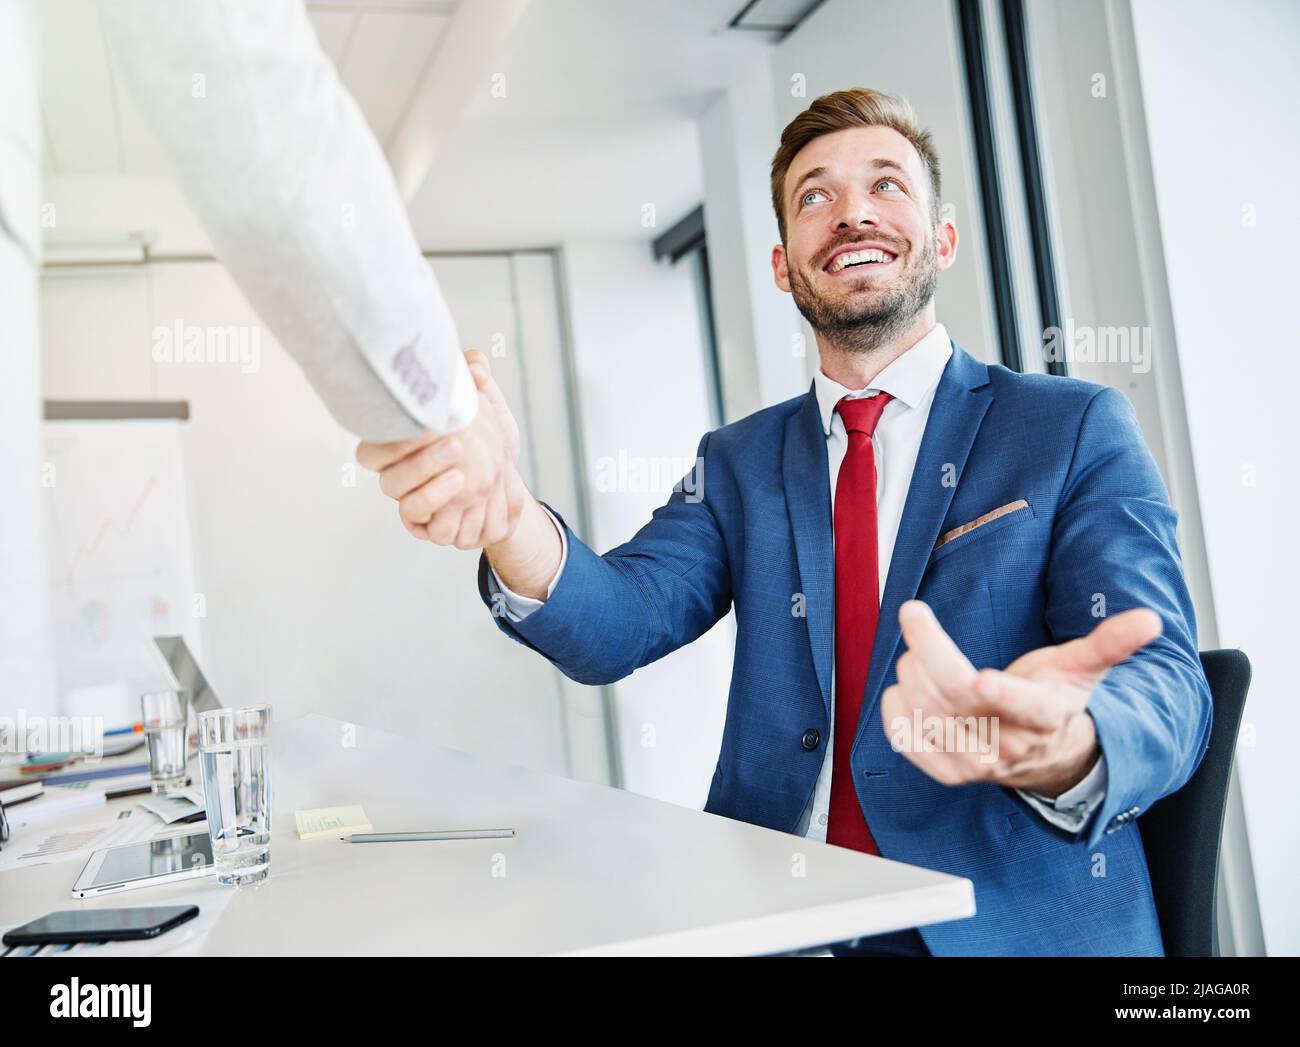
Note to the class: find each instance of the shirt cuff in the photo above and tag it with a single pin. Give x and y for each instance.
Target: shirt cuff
(1070, 811)
(462, 408)
(518, 607)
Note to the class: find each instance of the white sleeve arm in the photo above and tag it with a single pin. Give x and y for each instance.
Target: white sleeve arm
(519, 607)
(1070, 811)
(283, 172)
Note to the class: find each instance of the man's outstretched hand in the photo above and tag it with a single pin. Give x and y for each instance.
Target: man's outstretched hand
(462, 489)
(1046, 742)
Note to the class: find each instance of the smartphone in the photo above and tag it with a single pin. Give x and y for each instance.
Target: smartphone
(145, 864)
(101, 925)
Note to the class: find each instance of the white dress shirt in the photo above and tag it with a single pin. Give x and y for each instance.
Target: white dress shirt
(911, 380)
(279, 165)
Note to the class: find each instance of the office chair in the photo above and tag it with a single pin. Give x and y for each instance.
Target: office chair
(1181, 833)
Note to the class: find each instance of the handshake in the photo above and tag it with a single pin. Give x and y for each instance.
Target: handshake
(464, 489)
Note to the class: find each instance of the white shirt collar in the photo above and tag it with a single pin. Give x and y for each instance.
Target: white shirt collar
(909, 379)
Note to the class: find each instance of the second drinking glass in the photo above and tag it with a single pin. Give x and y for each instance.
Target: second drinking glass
(235, 756)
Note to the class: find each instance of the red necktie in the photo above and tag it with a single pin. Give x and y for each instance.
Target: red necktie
(857, 609)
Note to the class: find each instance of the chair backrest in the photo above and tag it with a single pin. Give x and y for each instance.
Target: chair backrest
(1181, 833)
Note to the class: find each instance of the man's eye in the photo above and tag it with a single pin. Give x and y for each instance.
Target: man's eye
(889, 182)
(811, 193)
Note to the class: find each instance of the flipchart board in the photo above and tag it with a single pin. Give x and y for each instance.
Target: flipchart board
(121, 565)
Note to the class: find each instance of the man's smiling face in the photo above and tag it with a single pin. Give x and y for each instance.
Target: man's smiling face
(863, 249)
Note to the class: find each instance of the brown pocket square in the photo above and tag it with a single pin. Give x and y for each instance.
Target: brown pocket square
(980, 521)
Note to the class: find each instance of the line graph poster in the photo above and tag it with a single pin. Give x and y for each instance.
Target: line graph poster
(118, 540)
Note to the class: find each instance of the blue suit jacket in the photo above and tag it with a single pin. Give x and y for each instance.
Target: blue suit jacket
(1097, 537)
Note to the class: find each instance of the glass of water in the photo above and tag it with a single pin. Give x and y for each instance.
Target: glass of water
(165, 715)
(235, 755)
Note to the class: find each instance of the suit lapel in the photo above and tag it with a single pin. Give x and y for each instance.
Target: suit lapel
(960, 402)
(808, 498)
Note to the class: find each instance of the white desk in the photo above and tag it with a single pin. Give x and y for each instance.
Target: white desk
(592, 870)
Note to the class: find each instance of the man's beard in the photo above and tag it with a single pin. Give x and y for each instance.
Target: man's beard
(857, 326)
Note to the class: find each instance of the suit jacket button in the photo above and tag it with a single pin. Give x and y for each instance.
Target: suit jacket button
(811, 739)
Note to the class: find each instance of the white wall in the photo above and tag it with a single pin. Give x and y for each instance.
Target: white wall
(317, 599)
(26, 655)
(642, 398)
(1224, 159)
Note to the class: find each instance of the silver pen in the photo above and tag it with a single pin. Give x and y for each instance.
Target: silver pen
(448, 834)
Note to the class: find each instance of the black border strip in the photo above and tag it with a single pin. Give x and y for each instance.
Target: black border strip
(682, 238)
(1031, 166)
(995, 227)
(688, 237)
(712, 360)
(738, 20)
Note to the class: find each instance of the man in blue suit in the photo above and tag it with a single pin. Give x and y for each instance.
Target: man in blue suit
(963, 641)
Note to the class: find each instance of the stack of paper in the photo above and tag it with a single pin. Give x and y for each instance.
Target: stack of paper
(55, 803)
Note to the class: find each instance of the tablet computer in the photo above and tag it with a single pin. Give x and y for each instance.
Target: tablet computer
(145, 864)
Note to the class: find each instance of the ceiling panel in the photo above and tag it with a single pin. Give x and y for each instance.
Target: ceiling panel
(93, 126)
(385, 61)
(142, 153)
(77, 97)
(333, 28)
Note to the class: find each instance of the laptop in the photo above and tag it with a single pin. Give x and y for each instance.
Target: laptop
(186, 673)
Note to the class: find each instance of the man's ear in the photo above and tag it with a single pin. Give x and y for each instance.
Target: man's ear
(780, 271)
(945, 244)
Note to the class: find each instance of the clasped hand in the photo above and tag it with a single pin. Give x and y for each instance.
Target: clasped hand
(462, 489)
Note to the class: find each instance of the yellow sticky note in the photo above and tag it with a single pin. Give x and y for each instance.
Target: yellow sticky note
(331, 821)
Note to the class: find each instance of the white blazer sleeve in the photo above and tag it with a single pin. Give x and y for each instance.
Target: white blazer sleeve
(281, 168)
